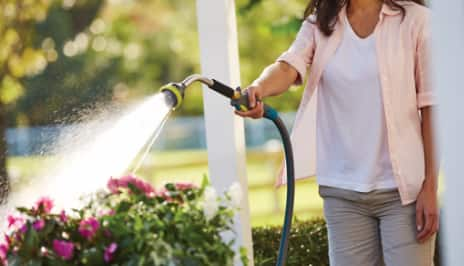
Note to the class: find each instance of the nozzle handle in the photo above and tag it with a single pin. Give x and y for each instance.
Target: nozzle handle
(243, 104)
(222, 89)
(239, 99)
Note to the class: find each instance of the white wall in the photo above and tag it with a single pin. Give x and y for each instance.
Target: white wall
(448, 45)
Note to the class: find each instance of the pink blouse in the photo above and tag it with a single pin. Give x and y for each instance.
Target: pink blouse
(403, 62)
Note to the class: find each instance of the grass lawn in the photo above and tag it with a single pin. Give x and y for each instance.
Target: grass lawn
(266, 203)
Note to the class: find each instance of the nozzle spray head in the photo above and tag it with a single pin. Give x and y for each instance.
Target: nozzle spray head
(174, 93)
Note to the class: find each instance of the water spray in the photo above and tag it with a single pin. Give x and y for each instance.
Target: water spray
(175, 92)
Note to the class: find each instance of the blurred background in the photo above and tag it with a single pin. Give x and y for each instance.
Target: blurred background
(63, 60)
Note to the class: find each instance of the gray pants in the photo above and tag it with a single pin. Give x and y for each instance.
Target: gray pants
(372, 229)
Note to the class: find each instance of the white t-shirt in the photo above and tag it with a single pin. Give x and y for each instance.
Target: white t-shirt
(351, 140)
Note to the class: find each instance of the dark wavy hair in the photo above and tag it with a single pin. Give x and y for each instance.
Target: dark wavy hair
(326, 11)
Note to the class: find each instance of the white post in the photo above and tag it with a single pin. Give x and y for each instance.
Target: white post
(448, 57)
(224, 130)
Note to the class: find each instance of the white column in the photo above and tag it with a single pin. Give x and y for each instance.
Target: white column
(224, 130)
(448, 58)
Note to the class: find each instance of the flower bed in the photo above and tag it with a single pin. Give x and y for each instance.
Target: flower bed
(130, 224)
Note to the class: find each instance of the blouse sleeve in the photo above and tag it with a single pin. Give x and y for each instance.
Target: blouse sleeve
(300, 53)
(424, 92)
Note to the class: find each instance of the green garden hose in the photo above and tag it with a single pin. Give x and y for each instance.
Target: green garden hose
(174, 96)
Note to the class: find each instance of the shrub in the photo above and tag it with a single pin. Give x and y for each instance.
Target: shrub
(131, 224)
(308, 244)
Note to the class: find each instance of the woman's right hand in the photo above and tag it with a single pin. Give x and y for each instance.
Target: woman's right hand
(256, 104)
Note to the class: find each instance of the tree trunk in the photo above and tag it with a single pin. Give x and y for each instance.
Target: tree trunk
(4, 180)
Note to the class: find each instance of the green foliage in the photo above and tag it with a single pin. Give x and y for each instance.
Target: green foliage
(308, 244)
(125, 51)
(266, 29)
(18, 55)
(101, 51)
(133, 224)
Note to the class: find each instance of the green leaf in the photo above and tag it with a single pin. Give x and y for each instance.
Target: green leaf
(138, 223)
(170, 186)
(49, 227)
(92, 256)
(23, 209)
(244, 256)
(31, 241)
(34, 262)
(123, 206)
(204, 183)
(14, 260)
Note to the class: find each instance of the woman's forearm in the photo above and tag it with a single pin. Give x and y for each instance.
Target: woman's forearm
(276, 79)
(430, 147)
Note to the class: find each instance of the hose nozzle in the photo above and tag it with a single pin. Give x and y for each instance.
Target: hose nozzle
(238, 99)
(175, 93)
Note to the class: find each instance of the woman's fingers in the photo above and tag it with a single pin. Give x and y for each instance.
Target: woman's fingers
(251, 97)
(256, 112)
(256, 105)
(427, 228)
(419, 217)
(260, 107)
(430, 226)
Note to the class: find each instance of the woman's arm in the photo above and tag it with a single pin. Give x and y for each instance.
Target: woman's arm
(290, 68)
(274, 80)
(427, 212)
(430, 147)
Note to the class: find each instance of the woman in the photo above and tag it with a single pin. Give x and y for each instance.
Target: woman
(376, 164)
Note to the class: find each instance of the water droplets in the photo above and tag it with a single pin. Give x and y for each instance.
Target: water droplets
(94, 150)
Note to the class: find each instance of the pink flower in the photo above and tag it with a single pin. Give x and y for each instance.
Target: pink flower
(109, 252)
(164, 193)
(44, 204)
(7, 239)
(63, 217)
(63, 249)
(4, 253)
(4, 247)
(106, 213)
(15, 222)
(88, 228)
(114, 185)
(184, 185)
(38, 225)
(23, 229)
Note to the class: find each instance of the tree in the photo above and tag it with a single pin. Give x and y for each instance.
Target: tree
(18, 58)
(25, 53)
(127, 51)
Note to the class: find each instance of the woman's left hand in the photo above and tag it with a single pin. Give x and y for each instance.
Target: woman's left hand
(427, 213)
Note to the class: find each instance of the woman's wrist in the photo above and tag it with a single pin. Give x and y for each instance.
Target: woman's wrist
(430, 183)
(259, 88)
